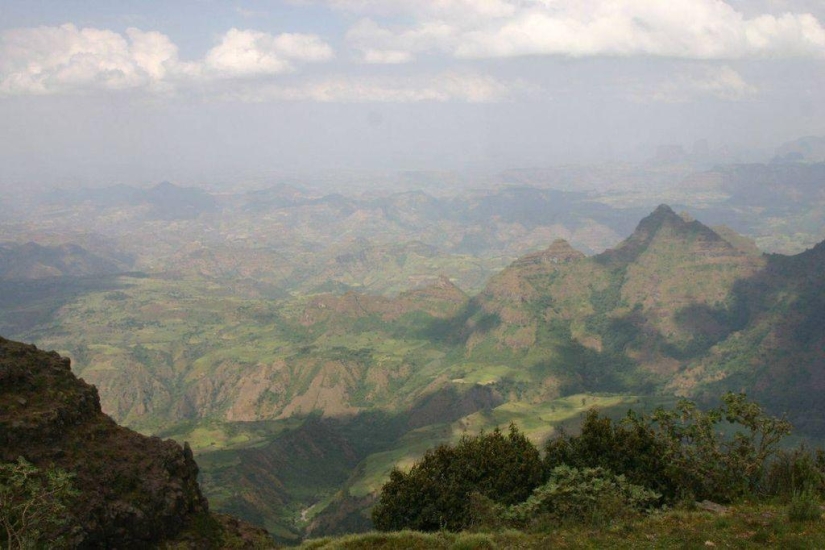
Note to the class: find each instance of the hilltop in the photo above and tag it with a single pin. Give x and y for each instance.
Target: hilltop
(134, 490)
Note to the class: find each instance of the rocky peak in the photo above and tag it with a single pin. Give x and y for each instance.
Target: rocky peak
(135, 491)
(663, 215)
(681, 224)
(663, 222)
(558, 252)
(443, 291)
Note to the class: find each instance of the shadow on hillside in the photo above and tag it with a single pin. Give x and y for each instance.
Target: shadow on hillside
(783, 367)
(457, 329)
(26, 304)
(305, 465)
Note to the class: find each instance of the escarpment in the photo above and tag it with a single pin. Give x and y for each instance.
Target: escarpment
(135, 491)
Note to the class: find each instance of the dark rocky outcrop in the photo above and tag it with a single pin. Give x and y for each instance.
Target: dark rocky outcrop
(135, 491)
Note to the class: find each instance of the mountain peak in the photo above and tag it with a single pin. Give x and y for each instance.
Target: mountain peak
(562, 250)
(662, 214)
(441, 289)
(663, 210)
(165, 184)
(558, 252)
(444, 282)
(663, 220)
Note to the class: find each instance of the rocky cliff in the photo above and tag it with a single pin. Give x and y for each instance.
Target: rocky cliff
(135, 491)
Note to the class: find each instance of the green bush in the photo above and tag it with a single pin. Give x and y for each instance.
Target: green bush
(796, 470)
(436, 493)
(804, 506)
(631, 448)
(593, 496)
(610, 469)
(34, 506)
(707, 464)
(682, 452)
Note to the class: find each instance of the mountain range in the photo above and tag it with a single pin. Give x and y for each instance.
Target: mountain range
(677, 309)
(298, 405)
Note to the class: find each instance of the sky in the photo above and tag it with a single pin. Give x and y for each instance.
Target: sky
(201, 91)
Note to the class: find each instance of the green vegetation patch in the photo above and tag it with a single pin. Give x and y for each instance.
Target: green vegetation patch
(745, 526)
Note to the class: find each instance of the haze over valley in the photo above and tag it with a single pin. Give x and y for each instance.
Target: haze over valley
(314, 239)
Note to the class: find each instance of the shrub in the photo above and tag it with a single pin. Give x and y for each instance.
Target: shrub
(609, 469)
(708, 465)
(34, 506)
(590, 495)
(436, 493)
(681, 452)
(804, 506)
(796, 470)
(631, 448)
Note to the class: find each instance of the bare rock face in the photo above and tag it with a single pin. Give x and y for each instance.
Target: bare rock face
(136, 491)
(559, 252)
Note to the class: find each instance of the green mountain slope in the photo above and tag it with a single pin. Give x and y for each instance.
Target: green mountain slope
(298, 408)
(778, 355)
(626, 319)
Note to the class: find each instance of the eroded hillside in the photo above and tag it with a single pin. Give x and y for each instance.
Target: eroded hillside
(133, 491)
(676, 308)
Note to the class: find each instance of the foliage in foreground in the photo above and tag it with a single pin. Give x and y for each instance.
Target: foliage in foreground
(593, 496)
(720, 454)
(435, 493)
(611, 470)
(804, 506)
(744, 526)
(33, 506)
(796, 471)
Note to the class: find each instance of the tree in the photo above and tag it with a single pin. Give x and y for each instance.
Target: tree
(718, 454)
(631, 448)
(435, 493)
(33, 505)
(720, 464)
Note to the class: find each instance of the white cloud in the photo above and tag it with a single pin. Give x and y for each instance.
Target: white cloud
(386, 57)
(52, 60)
(688, 29)
(240, 67)
(719, 82)
(380, 45)
(250, 53)
(47, 59)
(156, 56)
(724, 83)
(423, 8)
(464, 87)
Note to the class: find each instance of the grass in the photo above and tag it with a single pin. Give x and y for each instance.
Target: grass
(804, 506)
(472, 373)
(411, 540)
(212, 435)
(745, 526)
